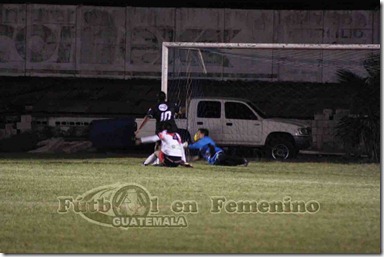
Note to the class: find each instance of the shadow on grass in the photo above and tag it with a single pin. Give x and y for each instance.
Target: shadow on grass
(76, 156)
(316, 158)
(143, 153)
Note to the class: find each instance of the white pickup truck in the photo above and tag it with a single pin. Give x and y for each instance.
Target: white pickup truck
(239, 123)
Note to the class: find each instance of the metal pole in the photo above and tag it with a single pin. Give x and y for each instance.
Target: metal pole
(164, 69)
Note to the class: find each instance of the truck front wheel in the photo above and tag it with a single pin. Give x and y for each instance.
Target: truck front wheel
(281, 149)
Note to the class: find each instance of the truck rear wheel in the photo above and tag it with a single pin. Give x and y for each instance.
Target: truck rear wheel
(281, 149)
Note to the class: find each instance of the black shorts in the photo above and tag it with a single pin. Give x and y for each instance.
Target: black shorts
(159, 125)
(172, 161)
(227, 160)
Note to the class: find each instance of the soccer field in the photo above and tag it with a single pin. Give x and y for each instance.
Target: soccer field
(348, 220)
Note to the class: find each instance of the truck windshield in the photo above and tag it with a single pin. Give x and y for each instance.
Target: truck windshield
(258, 110)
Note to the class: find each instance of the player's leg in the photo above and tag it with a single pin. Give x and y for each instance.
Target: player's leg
(226, 160)
(157, 146)
(235, 160)
(160, 156)
(183, 155)
(153, 159)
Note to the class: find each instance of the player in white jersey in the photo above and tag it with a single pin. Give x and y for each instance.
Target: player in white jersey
(172, 151)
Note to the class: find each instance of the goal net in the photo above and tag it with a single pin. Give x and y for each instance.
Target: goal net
(315, 83)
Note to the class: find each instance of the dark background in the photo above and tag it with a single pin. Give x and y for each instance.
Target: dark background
(236, 4)
(80, 96)
(63, 96)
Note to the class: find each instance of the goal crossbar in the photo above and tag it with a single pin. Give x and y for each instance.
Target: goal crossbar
(271, 46)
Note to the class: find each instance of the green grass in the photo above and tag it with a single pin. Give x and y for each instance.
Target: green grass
(348, 221)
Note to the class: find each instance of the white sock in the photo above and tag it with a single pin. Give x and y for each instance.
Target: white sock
(183, 155)
(151, 159)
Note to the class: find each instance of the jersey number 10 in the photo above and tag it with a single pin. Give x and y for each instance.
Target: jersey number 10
(165, 116)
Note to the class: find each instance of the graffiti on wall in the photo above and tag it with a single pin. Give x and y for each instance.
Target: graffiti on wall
(12, 21)
(101, 46)
(50, 40)
(126, 42)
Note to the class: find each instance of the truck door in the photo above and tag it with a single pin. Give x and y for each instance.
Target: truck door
(241, 124)
(207, 115)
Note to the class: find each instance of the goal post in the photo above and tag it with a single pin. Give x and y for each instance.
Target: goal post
(315, 84)
(261, 46)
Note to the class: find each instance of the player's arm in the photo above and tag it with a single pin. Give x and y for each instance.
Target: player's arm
(146, 140)
(146, 119)
(199, 144)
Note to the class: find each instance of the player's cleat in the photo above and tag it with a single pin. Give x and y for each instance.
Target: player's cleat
(186, 164)
(246, 162)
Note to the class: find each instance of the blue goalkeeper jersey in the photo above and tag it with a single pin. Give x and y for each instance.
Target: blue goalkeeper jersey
(203, 146)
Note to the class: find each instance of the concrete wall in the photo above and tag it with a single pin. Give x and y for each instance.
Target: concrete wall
(125, 42)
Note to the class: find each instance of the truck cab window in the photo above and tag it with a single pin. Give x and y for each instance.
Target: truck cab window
(238, 111)
(209, 109)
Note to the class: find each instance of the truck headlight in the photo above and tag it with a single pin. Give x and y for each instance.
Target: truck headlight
(303, 132)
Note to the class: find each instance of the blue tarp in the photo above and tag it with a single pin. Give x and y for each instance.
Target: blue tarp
(113, 133)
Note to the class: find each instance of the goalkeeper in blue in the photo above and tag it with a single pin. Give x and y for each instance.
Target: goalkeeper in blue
(213, 154)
